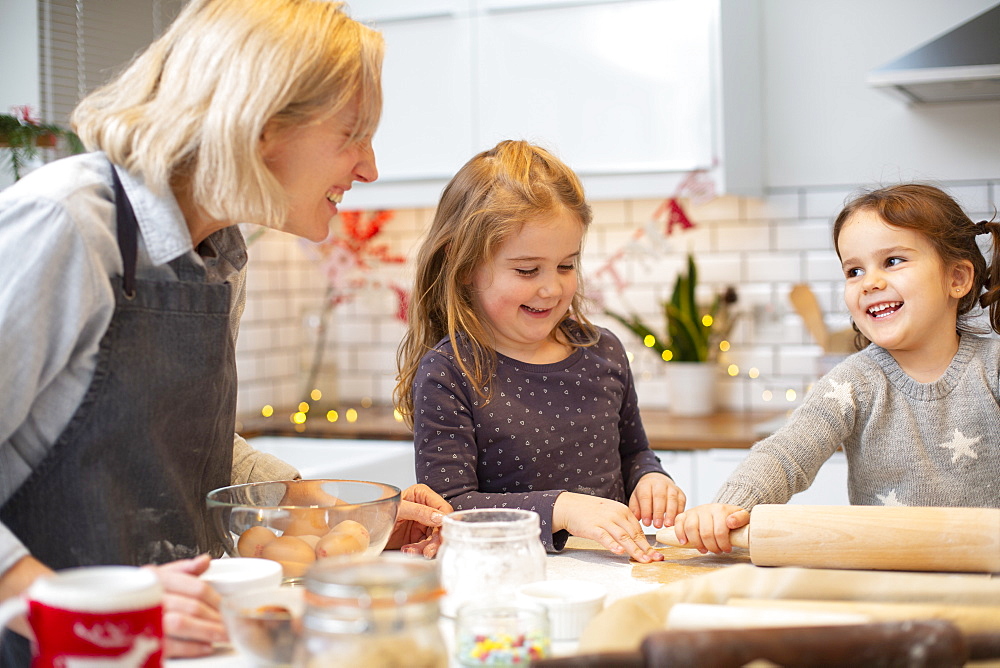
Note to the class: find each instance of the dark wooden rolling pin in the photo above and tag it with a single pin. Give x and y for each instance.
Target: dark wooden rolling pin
(902, 538)
(912, 644)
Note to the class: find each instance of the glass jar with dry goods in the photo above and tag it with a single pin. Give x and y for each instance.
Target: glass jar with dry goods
(380, 611)
(488, 552)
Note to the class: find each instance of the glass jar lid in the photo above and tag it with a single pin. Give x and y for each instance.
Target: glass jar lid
(373, 582)
(491, 524)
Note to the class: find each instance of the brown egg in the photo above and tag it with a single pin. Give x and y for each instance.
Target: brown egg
(305, 521)
(289, 549)
(253, 540)
(293, 569)
(348, 537)
(310, 539)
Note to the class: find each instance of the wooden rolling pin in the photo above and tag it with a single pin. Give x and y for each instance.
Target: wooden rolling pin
(895, 538)
(967, 618)
(914, 643)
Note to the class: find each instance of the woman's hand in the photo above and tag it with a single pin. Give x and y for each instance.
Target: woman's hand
(191, 618)
(608, 522)
(15, 581)
(656, 500)
(418, 522)
(706, 528)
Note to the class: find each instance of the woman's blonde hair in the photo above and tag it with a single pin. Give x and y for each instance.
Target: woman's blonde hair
(486, 203)
(190, 110)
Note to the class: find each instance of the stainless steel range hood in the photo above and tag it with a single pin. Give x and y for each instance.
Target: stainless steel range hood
(960, 65)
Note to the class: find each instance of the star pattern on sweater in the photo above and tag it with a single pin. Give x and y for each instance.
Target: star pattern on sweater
(843, 394)
(961, 446)
(890, 499)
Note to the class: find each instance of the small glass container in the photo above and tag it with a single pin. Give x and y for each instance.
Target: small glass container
(380, 611)
(488, 553)
(501, 633)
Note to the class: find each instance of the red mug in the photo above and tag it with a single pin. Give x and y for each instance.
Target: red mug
(107, 616)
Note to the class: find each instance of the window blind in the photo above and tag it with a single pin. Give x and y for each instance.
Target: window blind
(83, 43)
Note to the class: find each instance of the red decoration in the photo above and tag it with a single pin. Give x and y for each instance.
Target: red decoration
(676, 216)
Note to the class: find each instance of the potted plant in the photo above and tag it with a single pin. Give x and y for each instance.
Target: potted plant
(22, 136)
(692, 340)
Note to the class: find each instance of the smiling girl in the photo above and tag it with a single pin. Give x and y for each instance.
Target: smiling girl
(918, 410)
(516, 399)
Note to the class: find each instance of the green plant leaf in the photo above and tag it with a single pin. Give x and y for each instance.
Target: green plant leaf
(636, 326)
(688, 337)
(20, 140)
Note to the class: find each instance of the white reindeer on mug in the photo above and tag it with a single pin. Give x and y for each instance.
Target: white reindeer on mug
(135, 657)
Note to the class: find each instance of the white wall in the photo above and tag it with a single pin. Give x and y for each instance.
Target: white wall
(19, 36)
(19, 83)
(826, 126)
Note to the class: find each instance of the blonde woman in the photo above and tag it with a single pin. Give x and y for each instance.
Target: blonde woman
(122, 285)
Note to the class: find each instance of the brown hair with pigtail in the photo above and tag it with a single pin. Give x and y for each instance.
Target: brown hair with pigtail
(932, 212)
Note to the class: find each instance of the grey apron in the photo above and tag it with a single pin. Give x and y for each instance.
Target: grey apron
(126, 481)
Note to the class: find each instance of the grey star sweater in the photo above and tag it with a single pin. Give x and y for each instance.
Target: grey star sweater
(569, 426)
(907, 443)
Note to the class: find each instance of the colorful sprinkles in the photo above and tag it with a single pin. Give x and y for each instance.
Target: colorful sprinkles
(502, 649)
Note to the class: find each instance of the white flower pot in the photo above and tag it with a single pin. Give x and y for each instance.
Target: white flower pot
(691, 388)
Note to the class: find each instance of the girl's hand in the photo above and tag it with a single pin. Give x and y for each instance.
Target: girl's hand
(706, 528)
(608, 522)
(191, 618)
(656, 500)
(418, 522)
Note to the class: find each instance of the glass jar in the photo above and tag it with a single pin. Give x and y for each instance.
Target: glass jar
(380, 611)
(487, 553)
(501, 633)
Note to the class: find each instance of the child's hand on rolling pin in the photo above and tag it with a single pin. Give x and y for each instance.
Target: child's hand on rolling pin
(608, 522)
(706, 528)
(656, 500)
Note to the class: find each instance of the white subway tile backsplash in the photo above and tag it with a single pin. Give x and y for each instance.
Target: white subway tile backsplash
(612, 213)
(375, 359)
(254, 337)
(975, 200)
(776, 206)
(822, 266)
(803, 235)
(643, 209)
(774, 267)
(280, 362)
(726, 207)
(762, 246)
(744, 237)
(356, 385)
(826, 204)
(722, 268)
(799, 360)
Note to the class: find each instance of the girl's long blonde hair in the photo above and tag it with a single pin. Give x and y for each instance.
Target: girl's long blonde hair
(486, 202)
(189, 111)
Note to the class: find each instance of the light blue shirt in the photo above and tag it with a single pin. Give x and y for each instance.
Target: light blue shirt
(58, 251)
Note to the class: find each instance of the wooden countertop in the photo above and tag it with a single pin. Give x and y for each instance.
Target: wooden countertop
(732, 430)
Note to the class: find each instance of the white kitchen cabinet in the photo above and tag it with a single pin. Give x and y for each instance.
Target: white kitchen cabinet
(426, 132)
(700, 473)
(378, 11)
(610, 87)
(632, 94)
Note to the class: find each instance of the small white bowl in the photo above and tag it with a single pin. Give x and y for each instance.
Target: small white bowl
(236, 575)
(571, 604)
